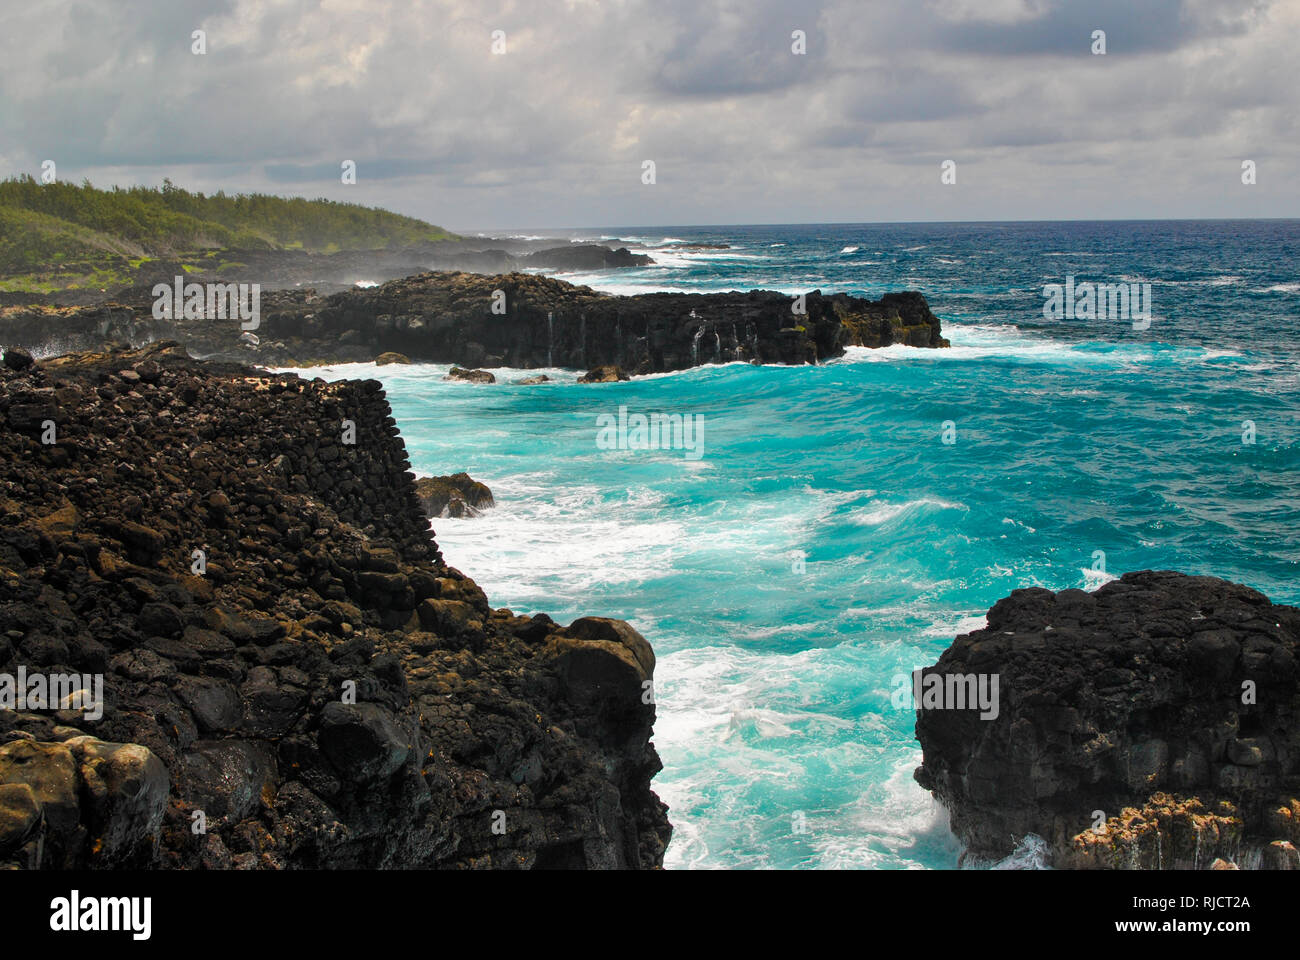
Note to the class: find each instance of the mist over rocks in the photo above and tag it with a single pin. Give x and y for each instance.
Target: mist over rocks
(293, 676)
(513, 320)
(1153, 723)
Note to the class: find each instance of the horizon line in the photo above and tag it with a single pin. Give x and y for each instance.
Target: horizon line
(872, 223)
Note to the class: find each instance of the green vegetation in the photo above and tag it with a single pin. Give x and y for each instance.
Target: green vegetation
(61, 236)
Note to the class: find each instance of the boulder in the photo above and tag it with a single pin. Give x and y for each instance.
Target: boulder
(605, 374)
(457, 495)
(1169, 703)
(363, 740)
(470, 376)
(16, 358)
(603, 660)
(98, 804)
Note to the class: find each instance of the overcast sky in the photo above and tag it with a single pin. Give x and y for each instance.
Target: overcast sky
(554, 132)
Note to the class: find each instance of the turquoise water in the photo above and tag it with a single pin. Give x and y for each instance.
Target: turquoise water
(780, 738)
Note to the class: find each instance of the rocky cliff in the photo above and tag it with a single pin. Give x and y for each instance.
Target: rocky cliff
(291, 675)
(1153, 723)
(517, 320)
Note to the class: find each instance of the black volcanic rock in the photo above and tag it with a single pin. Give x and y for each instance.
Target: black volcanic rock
(606, 374)
(470, 376)
(292, 676)
(457, 495)
(16, 358)
(1168, 703)
(458, 318)
(586, 256)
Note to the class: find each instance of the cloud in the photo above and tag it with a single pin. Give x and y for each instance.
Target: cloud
(741, 128)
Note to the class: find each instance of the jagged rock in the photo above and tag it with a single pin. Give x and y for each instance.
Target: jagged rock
(587, 256)
(607, 374)
(448, 317)
(470, 376)
(148, 371)
(1172, 695)
(228, 693)
(456, 495)
(1168, 833)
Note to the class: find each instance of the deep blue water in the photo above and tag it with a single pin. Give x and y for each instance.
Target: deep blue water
(774, 680)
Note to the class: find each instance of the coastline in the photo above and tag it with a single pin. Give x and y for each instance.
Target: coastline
(325, 692)
(519, 320)
(758, 722)
(223, 651)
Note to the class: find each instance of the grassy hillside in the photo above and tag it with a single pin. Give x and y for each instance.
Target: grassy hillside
(61, 236)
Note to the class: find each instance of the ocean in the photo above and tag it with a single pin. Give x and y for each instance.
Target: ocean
(838, 525)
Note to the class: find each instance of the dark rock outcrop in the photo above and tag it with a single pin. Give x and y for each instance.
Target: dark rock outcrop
(515, 320)
(457, 495)
(606, 374)
(1154, 722)
(470, 376)
(586, 256)
(291, 674)
(16, 358)
(78, 801)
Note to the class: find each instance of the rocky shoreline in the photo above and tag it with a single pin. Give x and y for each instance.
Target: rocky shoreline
(243, 559)
(1151, 724)
(291, 674)
(513, 320)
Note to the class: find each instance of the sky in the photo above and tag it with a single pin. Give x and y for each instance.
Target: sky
(555, 126)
